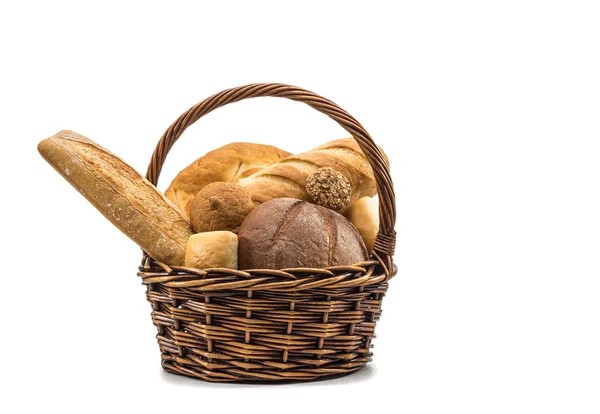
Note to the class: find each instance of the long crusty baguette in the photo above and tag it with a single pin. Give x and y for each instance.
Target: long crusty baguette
(121, 194)
(288, 177)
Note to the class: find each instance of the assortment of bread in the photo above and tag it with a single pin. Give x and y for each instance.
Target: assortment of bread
(243, 205)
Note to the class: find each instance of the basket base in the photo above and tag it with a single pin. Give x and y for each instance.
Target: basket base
(302, 328)
(173, 367)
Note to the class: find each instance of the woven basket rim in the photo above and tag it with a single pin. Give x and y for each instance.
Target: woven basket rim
(302, 278)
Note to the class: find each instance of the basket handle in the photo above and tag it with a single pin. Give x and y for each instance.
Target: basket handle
(386, 237)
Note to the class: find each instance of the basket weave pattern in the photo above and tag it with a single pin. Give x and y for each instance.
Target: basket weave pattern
(271, 325)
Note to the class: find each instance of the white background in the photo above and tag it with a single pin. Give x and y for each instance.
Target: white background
(489, 112)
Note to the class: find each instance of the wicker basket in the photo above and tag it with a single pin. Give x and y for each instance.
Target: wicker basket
(271, 325)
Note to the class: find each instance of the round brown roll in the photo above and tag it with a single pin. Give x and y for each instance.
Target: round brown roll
(286, 233)
(220, 206)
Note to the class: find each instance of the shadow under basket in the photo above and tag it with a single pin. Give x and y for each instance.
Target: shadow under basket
(299, 324)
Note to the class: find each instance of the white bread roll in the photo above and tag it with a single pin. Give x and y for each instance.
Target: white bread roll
(364, 214)
(212, 249)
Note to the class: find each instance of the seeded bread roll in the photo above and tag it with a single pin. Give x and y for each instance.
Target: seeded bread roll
(329, 188)
(121, 194)
(286, 233)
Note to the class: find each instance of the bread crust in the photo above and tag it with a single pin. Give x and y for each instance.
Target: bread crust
(121, 194)
(286, 233)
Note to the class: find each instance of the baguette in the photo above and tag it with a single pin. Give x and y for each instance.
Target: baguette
(288, 177)
(121, 194)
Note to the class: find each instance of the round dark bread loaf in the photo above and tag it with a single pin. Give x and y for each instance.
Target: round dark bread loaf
(285, 233)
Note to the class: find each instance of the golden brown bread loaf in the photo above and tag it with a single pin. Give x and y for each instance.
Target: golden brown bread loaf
(286, 233)
(364, 214)
(227, 163)
(212, 249)
(288, 177)
(121, 194)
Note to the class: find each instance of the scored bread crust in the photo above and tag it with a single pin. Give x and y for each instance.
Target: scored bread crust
(288, 233)
(228, 164)
(121, 194)
(288, 177)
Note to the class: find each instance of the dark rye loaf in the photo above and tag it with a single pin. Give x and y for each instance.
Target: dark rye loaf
(285, 233)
